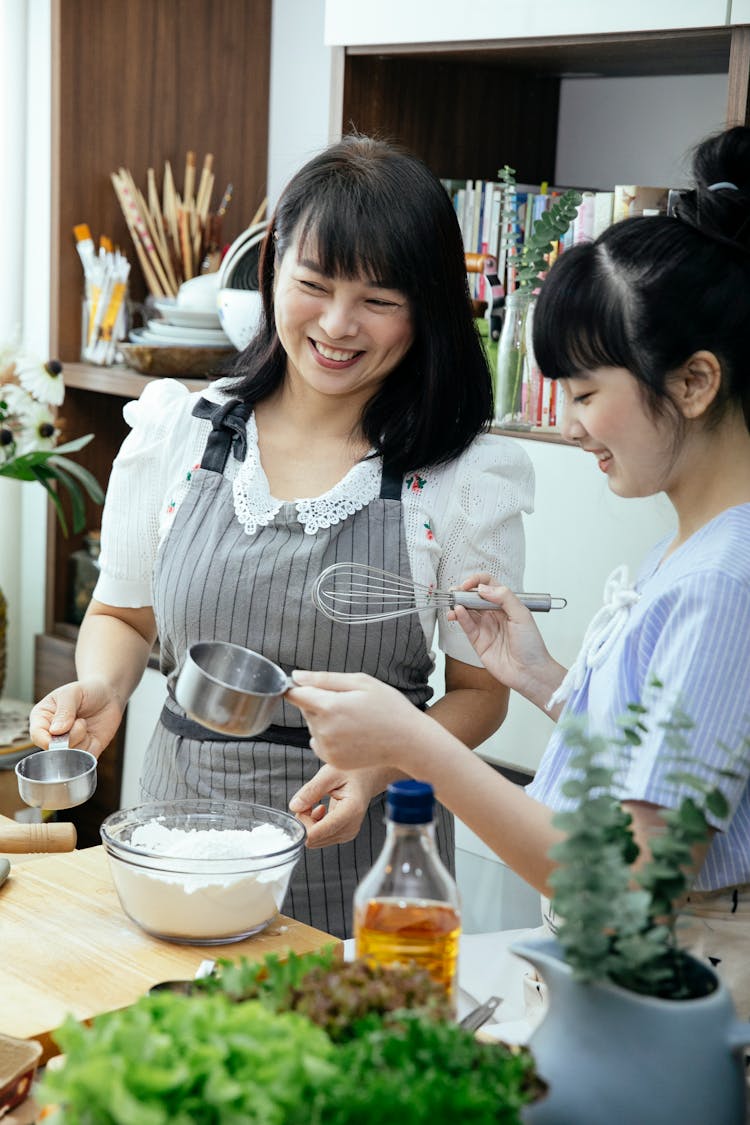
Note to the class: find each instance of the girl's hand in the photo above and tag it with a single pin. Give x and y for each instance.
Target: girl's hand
(88, 711)
(354, 720)
(508, 642)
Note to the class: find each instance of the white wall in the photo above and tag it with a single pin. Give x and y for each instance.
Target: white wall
(300, 89)
(635, 130)
(24, 302)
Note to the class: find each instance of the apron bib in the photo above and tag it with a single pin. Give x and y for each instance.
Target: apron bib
(212, 581)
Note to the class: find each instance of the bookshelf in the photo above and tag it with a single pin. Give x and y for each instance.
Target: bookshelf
(146, 82)
(467, 107)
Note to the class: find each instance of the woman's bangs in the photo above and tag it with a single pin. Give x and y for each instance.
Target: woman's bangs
(580, 319)
(346, 242)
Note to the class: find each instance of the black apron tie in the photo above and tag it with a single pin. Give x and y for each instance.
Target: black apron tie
(229, 431)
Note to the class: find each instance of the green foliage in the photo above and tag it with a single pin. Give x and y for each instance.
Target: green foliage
(48, 467)
(615, 923)
(548, 229)
(172, 1059)
(335, 995)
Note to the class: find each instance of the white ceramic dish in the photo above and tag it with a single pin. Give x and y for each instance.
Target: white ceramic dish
(181, 335)
(143, 336)
(186, 317)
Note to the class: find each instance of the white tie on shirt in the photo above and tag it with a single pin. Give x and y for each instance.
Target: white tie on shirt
(605, 628)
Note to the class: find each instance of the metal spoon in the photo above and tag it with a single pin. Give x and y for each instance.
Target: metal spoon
(479, 1015)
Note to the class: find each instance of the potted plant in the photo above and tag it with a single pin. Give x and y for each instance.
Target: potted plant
(517, 375)
(636, 1029)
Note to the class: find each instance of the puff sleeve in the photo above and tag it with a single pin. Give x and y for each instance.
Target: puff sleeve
(147, 460)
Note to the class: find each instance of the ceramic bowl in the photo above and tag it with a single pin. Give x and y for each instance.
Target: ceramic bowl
(202, 872)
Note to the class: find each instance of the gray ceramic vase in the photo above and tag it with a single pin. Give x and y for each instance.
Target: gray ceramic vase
(611, 1055)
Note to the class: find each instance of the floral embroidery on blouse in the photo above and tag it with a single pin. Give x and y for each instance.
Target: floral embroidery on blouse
(190, 472)
(415, 482)
(170, 508)
(430, 532)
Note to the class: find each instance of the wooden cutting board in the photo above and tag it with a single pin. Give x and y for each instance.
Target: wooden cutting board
(68, 947)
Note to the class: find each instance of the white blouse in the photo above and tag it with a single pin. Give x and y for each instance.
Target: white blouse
(459, 518)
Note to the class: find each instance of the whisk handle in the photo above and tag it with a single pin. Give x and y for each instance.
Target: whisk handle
(537, 603)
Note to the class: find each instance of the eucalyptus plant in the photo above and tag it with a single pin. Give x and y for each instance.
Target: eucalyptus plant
(613, 922)
(531, 263)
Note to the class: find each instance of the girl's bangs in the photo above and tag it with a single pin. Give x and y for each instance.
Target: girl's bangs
(581, 318)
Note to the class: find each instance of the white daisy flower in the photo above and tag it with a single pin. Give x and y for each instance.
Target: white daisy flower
(43, 380)
(38, 429)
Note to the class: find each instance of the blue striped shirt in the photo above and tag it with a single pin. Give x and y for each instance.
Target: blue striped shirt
(690, 629)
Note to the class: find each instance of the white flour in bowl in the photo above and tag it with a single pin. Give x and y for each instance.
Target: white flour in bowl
(204, 907)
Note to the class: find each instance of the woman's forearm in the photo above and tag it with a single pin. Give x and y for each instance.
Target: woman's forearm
(114, 646)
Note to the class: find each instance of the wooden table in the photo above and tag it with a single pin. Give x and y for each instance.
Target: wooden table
(68, 947)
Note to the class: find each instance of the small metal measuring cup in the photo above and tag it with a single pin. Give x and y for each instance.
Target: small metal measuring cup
(58, 778)
(230, 689)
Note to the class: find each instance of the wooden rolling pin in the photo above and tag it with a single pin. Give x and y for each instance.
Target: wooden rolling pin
(52, 837)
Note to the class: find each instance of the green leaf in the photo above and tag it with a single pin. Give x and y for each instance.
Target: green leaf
(87, 479)
(77, 503)
(43, 480)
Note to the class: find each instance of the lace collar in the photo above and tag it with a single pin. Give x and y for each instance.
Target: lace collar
(255, 507)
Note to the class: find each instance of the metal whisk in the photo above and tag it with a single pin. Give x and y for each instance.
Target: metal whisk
(356, 593)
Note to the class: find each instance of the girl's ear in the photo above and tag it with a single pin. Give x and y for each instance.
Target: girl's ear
(696, 384)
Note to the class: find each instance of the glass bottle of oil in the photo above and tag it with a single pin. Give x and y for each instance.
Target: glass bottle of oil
(406, 909)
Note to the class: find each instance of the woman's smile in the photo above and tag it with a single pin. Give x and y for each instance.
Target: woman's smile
(334, 358)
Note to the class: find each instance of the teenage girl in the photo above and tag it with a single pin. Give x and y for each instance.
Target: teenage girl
(648, 330)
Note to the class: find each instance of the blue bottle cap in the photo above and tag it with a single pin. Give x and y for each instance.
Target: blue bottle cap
(410, 802)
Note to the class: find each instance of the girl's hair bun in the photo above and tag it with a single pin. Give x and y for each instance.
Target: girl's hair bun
(719, 204)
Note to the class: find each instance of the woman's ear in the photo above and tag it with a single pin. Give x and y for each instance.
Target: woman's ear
(696, 384)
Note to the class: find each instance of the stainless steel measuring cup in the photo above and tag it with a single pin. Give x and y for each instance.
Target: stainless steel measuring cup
(230, 689)
(58, 778)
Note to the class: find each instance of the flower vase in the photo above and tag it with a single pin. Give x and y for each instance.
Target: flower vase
(612, 1055)
(518, 397)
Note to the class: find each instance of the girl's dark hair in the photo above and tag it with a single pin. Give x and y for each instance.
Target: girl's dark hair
(370, 209)
(649, 292)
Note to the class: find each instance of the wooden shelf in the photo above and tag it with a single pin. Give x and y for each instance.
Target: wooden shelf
(118, 380)
(532, 435)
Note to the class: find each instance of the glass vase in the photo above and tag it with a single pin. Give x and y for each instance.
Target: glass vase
(519, 394)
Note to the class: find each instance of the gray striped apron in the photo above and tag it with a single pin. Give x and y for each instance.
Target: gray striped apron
(213, 581)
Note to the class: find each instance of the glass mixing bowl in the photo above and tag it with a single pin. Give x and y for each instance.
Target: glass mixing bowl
(202, 872)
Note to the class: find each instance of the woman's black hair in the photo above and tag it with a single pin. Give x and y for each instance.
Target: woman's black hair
(371, 209)
(649, 292)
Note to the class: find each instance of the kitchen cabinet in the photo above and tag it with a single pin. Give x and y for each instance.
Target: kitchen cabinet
(135, 83)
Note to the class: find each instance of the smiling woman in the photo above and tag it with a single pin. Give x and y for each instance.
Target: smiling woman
(352, 429)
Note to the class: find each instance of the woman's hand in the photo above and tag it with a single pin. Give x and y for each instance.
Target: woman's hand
(508, 641)
(349, 795)
(88, 711)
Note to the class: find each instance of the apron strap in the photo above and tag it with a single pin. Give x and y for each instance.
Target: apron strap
(390, 484)
(188, 728)
(229, 422)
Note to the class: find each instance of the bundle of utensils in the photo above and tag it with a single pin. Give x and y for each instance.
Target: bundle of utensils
(176, 237)
(105, 273)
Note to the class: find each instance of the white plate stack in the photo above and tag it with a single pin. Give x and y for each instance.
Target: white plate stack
(191, 319)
